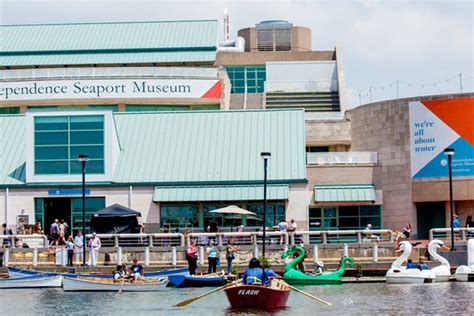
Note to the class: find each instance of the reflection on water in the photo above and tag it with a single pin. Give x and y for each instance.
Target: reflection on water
(437, 298)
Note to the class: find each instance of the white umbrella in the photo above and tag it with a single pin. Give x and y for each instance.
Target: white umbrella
(232, 209)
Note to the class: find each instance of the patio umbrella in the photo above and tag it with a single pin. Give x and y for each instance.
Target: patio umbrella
(232, 209)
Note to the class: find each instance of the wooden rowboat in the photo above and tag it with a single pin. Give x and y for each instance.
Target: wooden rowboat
(17, 272)
(33, 281)
(269, 297)
(91, 284)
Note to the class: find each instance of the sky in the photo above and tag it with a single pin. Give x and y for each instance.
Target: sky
(423, 45)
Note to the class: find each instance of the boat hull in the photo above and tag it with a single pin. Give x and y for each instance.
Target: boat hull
(195, 281)
(255, 296)
(87, 284)
(34, 281)
(16, 272)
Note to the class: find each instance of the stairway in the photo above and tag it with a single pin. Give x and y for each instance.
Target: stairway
(310, 101)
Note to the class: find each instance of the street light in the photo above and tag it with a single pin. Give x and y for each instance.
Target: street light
(83, 159)
(265, 156)
(450, 152)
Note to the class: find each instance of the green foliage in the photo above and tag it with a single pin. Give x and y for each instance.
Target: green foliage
(235, 269)
(265, 261)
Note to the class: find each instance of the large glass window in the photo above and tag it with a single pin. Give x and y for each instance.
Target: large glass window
(248, 79)
(179, 215)
(10, 110)
(93, 204)
(345, 217)
(60, 139)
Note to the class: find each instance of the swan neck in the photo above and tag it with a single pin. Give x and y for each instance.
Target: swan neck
(432, 249)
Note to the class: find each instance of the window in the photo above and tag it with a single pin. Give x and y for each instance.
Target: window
(317, 149)
(58, 140)
(275, 212)
(345, 217)
(179, 215)
(93, 204)
(247, 79)
(10, 110)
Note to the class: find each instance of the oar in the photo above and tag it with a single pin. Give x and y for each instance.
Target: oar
(192, 299)
(121, 285)
(309, 295)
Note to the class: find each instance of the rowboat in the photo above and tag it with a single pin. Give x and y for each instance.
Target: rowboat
(269, 297)
(180, 280)
(31, 281)
(17, 272)
(90, 284)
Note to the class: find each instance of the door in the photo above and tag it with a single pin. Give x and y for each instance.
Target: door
(429, 215)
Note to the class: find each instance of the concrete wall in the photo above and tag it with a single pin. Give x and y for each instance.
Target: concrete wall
(260, 58)
(239, 101)
(300, 38)
(297, 207)
(324, 133)
(384, 127)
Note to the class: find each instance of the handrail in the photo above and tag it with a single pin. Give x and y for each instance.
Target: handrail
(16, 236)
(149, 236)
(253, 236)
(358, 232)
(463, 230)
(342, 157)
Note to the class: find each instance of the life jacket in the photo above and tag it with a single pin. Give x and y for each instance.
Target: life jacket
(255, 276)
(411, 265)
(119, 275)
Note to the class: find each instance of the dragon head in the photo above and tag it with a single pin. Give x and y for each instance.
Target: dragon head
(291, 251)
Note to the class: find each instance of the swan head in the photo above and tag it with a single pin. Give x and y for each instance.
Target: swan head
(439, 244)
(404, 246)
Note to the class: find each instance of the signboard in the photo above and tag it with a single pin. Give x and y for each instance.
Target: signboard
(68, 192)
(436, 125)
(117, 88)
(21, 220)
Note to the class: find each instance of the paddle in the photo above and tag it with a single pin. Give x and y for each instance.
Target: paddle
(309, 295)
(121, 286)
(192, 299)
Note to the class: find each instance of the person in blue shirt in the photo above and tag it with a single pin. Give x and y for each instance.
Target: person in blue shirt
(422, 266)
(411, 264)
(257, 275)
(137, 270)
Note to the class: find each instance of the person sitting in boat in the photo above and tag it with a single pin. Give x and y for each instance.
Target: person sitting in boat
(136, 270)
(422, 266)
(119, 274)
(411, 264)
(257, 275)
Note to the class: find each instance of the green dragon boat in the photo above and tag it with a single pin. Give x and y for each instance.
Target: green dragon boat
(296, 277)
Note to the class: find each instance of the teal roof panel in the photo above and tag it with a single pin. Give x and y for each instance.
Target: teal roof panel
(12, 149)
(344, 193)
(109, 58)
(219, 193)
(108, 36)
(210, 146)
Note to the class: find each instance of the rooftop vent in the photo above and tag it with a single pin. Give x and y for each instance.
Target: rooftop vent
(274, 35)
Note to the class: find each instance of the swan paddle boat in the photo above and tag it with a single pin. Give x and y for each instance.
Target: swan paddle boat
(273, 296)
(399, 274)
(91, 284)
(294, 276)
(18, 272)
(466, 273)
(183, 280)
(443, 271)
(31, 281)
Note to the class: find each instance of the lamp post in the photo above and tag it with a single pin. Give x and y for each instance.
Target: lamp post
(83, 159)
(450, 152)
(265, 156)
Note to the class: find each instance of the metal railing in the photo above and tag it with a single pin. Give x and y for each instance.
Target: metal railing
(17, 241)
(341, 236)
(141, 240)
(240, 238)
(303, 86)
(342, 158)
(323, 116)
(109, 72)
(462, 233)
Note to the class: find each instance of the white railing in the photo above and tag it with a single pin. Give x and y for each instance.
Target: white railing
(143, 240)
(109, 72)
(33, 241)
(342, 158)
(240, 238)
(301, 86)
(323, 116)
(461, 233)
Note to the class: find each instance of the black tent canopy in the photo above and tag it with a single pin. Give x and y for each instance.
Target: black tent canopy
(115, 219)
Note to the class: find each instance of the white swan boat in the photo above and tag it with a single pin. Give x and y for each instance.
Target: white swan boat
(399, 274)
(90, 284)
(443, 271)
(466, 273)
(36, 281)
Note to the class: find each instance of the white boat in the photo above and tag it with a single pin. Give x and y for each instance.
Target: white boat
(443, 271)
(466, 273)
(36, 281)
(90, 284)
(399, 274)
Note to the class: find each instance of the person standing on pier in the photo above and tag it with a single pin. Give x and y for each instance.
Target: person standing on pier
(212, 256)
(78, 244)
(230, 254)
(94, 245)
(70, 250)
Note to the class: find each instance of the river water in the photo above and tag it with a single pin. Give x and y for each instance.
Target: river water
(373, 298)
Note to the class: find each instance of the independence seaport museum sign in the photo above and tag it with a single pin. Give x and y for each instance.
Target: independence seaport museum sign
(102, 89)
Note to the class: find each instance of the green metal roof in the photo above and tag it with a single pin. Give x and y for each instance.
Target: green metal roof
(12, 149)
(187, 148)
(344, 193)
(95, 43)
(219, 193)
